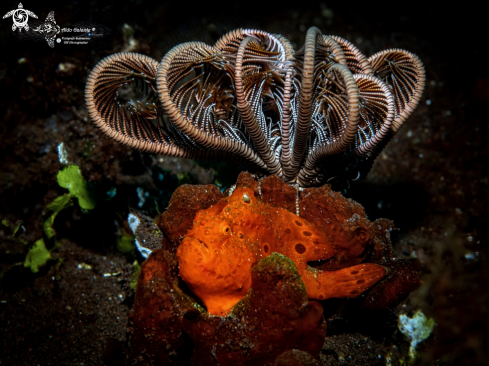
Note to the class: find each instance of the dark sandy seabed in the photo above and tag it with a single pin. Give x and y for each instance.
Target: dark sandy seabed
(431, 180)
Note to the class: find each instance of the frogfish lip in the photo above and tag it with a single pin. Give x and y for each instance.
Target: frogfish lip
(194, 250)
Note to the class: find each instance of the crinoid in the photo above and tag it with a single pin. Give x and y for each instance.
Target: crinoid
(324, 111)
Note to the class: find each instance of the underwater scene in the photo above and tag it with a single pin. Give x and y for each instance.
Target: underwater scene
(242, 183)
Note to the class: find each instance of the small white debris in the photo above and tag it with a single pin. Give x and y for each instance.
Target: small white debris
(84, 266)
(65, 67)
(62, 154)
(141, 196)
(428, 102)
(417, 329)
(111, 192)
(470, 256)
(114, 274)
(130, 43)
(21, 60)
(134, 222)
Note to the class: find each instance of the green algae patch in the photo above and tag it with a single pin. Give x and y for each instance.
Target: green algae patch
(38, 256)
(275, 269)
(135, 275)
(71, 178)
(125, 243)
(52, 210)
(88, 196)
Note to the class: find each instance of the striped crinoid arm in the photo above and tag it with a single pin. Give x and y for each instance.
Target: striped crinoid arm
(258, 89)
(355, 60)
(197, 91)
(336, 116)
(328, 53)
(404, 73)
(377, 109)
(376, 112)
(289, 119)
(267, 45)
(259, 60)
(122, 100)
(318, 55)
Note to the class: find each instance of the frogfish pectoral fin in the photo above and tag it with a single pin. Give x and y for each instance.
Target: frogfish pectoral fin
(346, 282)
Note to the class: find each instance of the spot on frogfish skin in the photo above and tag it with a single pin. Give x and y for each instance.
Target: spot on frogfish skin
(221, 276)
(299, 248)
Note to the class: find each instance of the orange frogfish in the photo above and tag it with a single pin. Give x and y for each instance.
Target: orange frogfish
(216, 256)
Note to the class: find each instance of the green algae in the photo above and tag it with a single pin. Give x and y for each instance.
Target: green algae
(125, 243)
(37, 256)
(71, 178)
(135, 275)
(52, 210)
(275, 264)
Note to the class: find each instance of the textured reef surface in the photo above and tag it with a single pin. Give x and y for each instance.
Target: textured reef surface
(248, 268)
